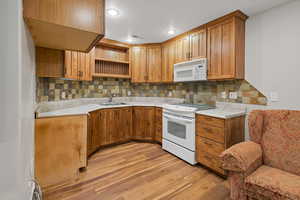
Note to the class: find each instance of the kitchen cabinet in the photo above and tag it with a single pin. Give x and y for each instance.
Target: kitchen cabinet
(66, 25)
(64, 64)
(154, 63)
(226, 48)
(158, 125)
(143, 123)
(139, 71)
(146, 63)
(213, 136)
(168, 60)
(109, 126)
(60, 149)
(191, 46)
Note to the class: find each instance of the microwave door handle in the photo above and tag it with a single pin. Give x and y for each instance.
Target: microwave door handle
(179, 119)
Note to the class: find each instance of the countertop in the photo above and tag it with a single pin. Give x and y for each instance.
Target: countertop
(223, 112)
(85, 109)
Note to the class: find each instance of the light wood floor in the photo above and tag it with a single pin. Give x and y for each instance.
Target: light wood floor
(136, 171)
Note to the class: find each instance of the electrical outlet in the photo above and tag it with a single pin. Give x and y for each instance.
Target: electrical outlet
(224, 95)
(129, 93)
(232, 95)
(170, 94)
(274, 96)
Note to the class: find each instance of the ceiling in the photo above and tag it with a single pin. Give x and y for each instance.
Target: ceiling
(152, 19)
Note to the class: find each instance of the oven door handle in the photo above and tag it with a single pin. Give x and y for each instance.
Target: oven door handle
(180, 119)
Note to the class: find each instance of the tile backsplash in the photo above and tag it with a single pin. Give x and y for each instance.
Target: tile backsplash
(54, 89)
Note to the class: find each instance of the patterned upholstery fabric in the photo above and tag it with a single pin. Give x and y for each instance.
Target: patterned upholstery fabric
(281, 140)
(273, 183)
(273, 155)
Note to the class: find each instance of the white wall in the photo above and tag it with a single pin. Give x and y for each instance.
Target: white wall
(273, 54)
(16, 103)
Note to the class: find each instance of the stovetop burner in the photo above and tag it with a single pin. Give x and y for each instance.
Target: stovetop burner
(197, 106)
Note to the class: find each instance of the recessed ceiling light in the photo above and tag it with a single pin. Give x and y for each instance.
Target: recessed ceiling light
(171, 32)
(113, 12)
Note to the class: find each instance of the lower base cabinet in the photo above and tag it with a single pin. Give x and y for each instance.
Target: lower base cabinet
(213, 136)
(143, 123)
(109, 126)
(60, 149)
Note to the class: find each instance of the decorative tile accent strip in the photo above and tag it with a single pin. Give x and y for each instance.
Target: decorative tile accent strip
(53, 89)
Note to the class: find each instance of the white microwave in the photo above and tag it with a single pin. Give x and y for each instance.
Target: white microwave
(195, 70)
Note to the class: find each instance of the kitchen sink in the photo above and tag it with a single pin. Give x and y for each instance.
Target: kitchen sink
(112, 104)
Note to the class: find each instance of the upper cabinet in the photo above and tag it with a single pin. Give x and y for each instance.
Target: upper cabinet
(66, 25)
(168, 60)
(138, 60)
(146, 63)
(226, 47)
(191, 46)
(64, 64)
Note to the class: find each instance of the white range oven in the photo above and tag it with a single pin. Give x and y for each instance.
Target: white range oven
(179, 130)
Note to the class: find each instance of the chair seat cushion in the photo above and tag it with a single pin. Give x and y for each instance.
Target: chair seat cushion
(273, 183)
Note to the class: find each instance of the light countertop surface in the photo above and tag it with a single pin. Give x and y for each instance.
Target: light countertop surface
(223, 112)
(85, 109)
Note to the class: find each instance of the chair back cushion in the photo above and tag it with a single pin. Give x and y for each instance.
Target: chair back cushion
(280, 140)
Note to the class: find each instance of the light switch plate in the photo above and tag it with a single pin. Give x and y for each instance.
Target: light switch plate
(274, 96)
(63, 95)
(224, 95)
(233, 95)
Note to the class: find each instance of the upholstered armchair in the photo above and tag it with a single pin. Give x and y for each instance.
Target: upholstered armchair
(268, 166)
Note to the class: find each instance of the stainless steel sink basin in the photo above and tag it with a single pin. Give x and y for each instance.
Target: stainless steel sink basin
(112, 104)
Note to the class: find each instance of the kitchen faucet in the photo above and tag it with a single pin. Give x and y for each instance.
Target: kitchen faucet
(111, 97)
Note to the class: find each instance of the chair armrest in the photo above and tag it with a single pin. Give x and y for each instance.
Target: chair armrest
(242, 157)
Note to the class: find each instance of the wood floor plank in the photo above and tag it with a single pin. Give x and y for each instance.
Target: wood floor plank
(135, 171)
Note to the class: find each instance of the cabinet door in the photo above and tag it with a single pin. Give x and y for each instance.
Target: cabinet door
(71, 65)
(168, 60)
(138, 123)
(198, 44)
(78, 65)
(154, 63)
(149, 113)
(138, 64)
(228, 50)
(126, 124)
(214, 51)
(183, 49)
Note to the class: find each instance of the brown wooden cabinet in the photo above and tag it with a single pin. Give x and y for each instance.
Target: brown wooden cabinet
(138, 62)
(213, 136)
(143, 123)
(226, 48)
(154, 63)
(146, 63)
(60, 149)
(64, 64)
(66, 25)
(158, 125)
(109, 126)
(168, 60)
(191, 46)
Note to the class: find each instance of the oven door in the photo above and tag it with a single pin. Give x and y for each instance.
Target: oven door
(179, 130)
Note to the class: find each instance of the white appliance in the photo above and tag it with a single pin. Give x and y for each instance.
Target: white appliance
(195, 70)
(179, 130)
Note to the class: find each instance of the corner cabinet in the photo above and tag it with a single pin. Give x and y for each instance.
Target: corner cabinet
(146, 63)
(143, 123)
(66, 25)
(226, 47)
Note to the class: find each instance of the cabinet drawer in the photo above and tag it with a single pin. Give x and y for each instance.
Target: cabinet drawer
(211, 132)
(209, 146)
(212, 121)
(210, 161)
